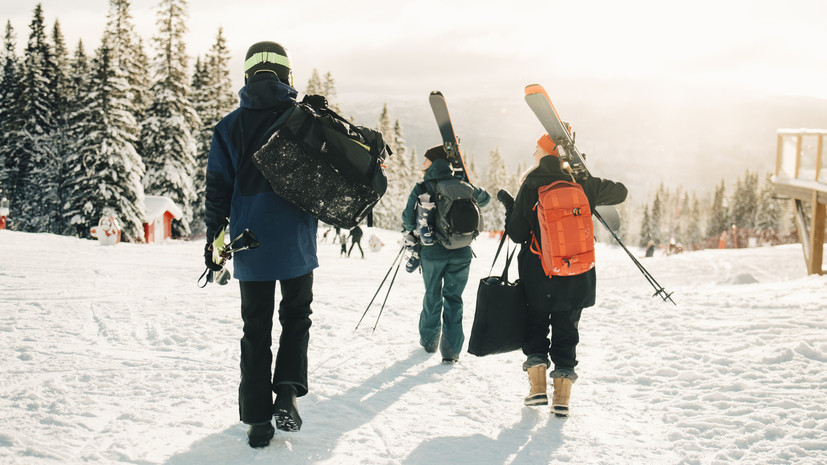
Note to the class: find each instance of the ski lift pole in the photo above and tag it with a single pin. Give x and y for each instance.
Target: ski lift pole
(380, 287)
(659, 290)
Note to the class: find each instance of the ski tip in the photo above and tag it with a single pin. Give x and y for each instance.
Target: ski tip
(534, 89)
(436, 93)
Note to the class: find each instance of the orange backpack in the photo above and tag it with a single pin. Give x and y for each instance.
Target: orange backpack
(566, 246)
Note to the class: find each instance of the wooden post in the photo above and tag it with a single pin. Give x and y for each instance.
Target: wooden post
(798, 139)
(818, 155)
(779, 154)
(819, 211)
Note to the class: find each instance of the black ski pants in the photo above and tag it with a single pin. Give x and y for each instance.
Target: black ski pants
(255, 393)
(562, 348)
(358, 244)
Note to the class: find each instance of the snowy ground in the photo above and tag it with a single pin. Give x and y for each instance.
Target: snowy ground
(113, 355)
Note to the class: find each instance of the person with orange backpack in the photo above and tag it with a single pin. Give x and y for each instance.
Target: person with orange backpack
(551, 218)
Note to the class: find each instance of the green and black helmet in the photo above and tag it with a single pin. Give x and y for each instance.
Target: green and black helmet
(268, 57)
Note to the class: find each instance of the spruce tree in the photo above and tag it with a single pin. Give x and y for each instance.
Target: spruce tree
(692, 233)
(314, 84)
(36, 194)
(388, 211)
(770, 210)
(106, 169)
(11, 122)
(496, 179)
(61, 70)
(718, 221)
(329, 91)
(126, 50)
(74, 173)
(167, 132)
(745, 201)
(656, 218)
(212, 98)
(646, 229)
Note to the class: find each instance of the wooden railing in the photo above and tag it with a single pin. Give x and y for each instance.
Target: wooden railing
(801, 175)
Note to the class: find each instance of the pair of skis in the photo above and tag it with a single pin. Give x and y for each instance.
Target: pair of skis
(571, 158)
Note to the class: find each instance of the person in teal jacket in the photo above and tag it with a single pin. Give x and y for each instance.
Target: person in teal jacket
(445, 271)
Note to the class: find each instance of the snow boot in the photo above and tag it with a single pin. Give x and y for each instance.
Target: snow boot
(259, 435)
(537, 380)
(560, 399)
(285, 409)
(424, 219)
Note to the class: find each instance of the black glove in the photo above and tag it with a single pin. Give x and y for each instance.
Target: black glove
(208, 258)
(316, 101)
(506, 199)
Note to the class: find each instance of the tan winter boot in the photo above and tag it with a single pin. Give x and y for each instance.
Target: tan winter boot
(537, 380)
(560, 398)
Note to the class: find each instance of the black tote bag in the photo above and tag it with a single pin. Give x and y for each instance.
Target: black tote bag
(500, 317)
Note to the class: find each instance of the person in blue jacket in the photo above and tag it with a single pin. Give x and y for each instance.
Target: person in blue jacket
(445, 271)
(238, 194)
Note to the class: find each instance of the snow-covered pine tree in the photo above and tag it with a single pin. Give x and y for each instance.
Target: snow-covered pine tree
(167, 132)
(770, 211)
(77, 90)
(62, 68)
(718, 221)
(692, 229)
(127, 52)
(11, 123)
(329, 91)
(106, 170)
(646, 228)
(745, 201)
(212, 98)
(388, 211)
(36, 196)
(656, 218)
(314, 84)
(496, 178)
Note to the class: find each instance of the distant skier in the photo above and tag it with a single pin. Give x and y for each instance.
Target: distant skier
(356, 239)
(650, 249)
(554, 303)
(341, 239)
(238, 191)
(444, 270)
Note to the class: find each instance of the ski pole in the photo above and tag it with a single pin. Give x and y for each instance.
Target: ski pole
(380, 286)
(659, 290)
(390, 286)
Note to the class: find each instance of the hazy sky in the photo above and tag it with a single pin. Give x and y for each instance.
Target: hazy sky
(410, 48)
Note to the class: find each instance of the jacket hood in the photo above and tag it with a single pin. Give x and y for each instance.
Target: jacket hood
(549, 166)
(439, 169)
(264, 90)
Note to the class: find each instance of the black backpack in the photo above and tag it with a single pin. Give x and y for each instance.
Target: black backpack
(458, 219)
(323, 164)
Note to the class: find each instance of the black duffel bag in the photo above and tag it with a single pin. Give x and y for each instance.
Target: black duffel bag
(500, 317)
(323, 164)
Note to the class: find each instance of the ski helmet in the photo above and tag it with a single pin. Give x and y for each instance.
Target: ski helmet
(268, 57)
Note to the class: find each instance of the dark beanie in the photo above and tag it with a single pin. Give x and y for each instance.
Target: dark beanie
(436, 152)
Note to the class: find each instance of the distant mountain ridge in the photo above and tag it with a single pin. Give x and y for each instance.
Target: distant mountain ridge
(641, 138)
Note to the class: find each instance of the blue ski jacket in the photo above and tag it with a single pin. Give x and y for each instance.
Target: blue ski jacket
(238, 192)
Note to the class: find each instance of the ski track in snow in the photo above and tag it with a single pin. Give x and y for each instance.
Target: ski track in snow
(113, 355)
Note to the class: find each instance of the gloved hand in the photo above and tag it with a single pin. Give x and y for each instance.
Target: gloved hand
(409, 239)
(212, 252)
(208, 258)
(506, 199)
